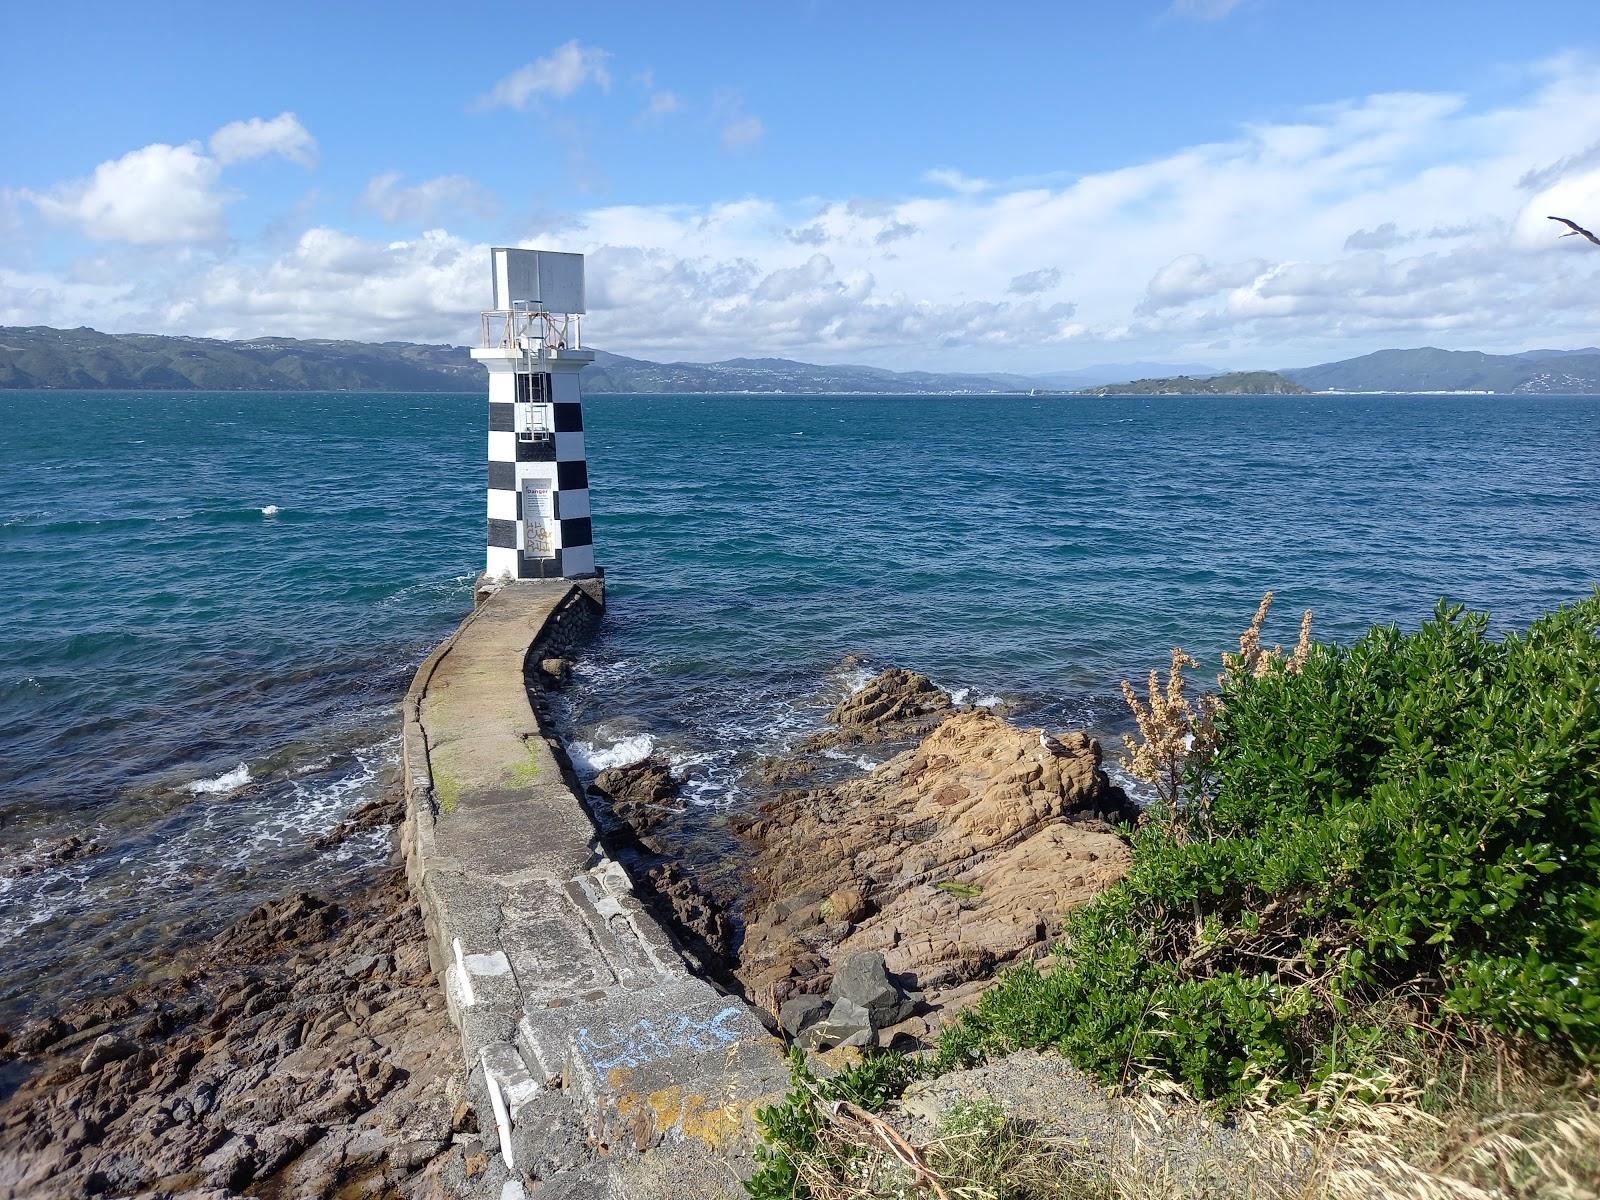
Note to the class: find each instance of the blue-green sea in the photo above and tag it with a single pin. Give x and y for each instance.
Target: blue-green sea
(210, 604)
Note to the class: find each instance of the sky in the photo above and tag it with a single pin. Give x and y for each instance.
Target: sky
(1022, 187)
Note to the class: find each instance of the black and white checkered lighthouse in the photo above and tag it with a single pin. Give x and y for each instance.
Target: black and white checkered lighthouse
(538, 474)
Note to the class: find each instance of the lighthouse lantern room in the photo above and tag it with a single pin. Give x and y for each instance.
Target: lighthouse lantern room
(532, 345)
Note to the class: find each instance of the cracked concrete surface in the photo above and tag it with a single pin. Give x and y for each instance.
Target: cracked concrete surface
(604, 1065)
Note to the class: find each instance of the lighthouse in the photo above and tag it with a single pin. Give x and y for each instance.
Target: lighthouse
(532, 345)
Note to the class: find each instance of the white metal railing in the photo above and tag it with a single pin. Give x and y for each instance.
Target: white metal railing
(539, 332)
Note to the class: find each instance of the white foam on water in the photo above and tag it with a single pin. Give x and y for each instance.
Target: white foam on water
(587, 756)
(317, 807)
(855, 760)
(1140, 792)
(271, 510)
(856, 678)
(989, 701)
(221, 785)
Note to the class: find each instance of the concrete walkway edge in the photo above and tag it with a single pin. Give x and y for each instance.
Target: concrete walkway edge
(597, 1063)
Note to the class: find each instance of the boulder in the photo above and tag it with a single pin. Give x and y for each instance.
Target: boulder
(39, 1033)
(800, 1013)
(104, 1049)
(641, 795)
(863, 981)
(555, 672)
(895, 705)
(847, 1024)
(847, 904)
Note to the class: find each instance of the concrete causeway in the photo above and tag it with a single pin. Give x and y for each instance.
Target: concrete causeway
(598, 1064)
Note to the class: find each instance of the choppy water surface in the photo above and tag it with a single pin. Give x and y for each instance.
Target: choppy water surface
(211, 603)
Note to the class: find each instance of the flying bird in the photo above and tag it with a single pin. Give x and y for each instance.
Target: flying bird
(1577, 230)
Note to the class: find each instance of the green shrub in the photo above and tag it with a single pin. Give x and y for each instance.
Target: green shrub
(792, 1129)
(1413, 820)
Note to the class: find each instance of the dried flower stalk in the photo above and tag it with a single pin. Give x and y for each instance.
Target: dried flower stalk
(1254, 660)
(1167, 727)
(1176, 732)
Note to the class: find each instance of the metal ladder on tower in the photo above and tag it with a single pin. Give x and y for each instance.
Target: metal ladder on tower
(537, 426)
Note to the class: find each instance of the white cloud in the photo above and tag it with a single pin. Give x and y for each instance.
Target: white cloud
(557, 75)
(662, 104)
(331, 284)
(170, 195)
(157, 195)
(1382, 237)
(1236, 248)
(283, 135)
(1031, 283)
(1191, 277)
(956, 181)
(441, 198)
(743, 132)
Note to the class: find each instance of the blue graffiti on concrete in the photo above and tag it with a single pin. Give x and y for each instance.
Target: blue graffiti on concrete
(645, 1042)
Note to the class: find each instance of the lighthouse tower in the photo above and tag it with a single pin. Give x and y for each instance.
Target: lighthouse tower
(538, 476)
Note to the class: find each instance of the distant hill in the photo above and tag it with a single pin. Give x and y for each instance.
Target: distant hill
(37, 356)
(40, 357)
(1569, 372)
(1234, 383)
(614, 373)
(1091, 377)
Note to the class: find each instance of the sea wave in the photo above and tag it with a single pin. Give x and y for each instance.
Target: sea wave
(591, 758)
(221, 785)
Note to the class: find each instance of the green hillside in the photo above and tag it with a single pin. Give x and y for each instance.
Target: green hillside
(1234, 383)
(1433, 370)
(40, 357)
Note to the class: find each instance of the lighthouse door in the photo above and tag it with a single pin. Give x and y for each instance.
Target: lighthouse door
(536, 518)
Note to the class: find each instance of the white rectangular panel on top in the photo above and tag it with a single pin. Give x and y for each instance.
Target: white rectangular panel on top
(542, 280)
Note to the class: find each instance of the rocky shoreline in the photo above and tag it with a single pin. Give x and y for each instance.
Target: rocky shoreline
(306, 1050)
(877, 906)
(302, 1052)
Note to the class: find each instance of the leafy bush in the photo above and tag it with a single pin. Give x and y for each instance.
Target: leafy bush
(1412, 822)
(793, 1129)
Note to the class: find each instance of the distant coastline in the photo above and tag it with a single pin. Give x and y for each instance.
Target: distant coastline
(44, 358)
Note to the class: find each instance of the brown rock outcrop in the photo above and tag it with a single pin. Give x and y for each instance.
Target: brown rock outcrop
(953, 859)
(641, 795)
(897, 704)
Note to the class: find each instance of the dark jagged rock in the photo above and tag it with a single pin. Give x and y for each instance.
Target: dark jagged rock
(699, 918)
(52, 854)
(798, 1014)
(641, 795)
(263, 1062)
(847, 1024)
(895, 705)
(862, 979)
(385, 811)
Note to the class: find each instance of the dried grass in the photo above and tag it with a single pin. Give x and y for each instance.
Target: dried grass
(1340, 1144)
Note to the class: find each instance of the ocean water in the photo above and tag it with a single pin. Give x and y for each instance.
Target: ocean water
(210, 604)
